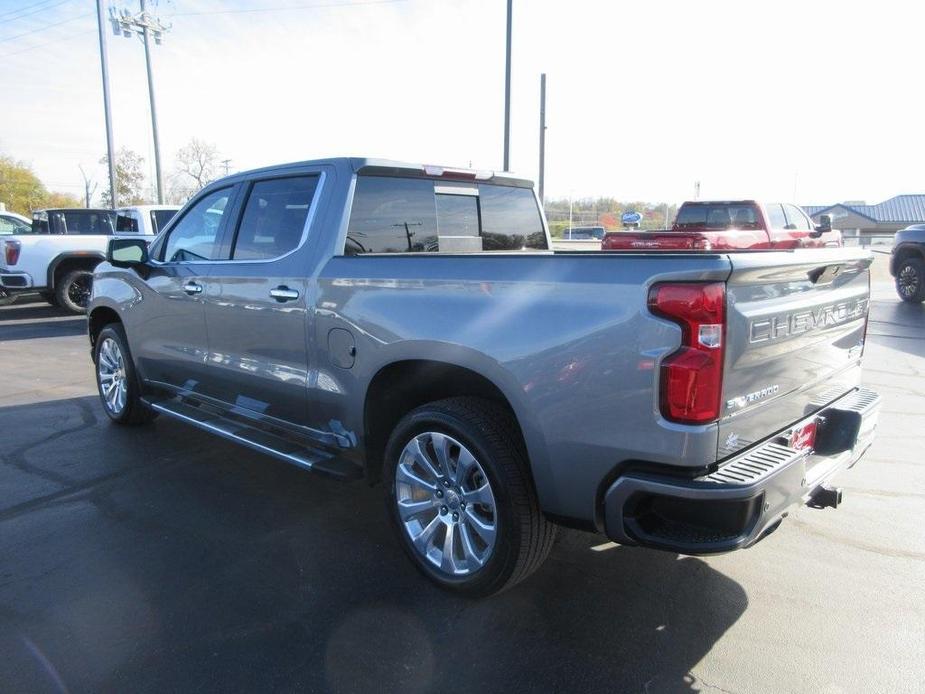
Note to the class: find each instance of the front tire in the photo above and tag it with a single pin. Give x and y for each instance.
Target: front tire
(460, 497)
(910, 280)
(116, 380)
(72, 291)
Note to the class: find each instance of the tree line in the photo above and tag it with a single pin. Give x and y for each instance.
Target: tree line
(196, 164)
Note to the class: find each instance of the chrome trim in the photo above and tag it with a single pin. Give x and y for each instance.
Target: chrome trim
(456, 190)
(284, 294)
(192, 288)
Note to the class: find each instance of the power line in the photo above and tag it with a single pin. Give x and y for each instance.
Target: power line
(7, 18)
(289, 8)
(47, 43)
(5, 39)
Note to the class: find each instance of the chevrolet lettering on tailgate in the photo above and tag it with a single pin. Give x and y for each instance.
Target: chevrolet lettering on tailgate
(799, 322)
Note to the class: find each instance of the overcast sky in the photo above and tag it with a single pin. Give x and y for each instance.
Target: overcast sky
(813, 101)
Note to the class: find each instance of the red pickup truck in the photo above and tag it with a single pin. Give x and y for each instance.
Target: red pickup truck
(730, 225)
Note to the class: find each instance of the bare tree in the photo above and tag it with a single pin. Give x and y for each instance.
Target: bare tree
(89, 186)
(197, 165)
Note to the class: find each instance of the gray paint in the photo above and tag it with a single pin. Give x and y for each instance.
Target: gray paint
(565, 337)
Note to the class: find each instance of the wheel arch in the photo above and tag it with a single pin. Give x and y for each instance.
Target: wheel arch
(71, 259)
(904, 252)
(399, 386)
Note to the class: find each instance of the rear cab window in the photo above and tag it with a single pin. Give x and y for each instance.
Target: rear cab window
(718, 216)
(415, 215)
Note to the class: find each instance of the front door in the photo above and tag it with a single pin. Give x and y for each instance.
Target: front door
(255, 303)
(171, 344)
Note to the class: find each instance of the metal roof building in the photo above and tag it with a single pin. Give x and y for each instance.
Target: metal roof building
(885, 217)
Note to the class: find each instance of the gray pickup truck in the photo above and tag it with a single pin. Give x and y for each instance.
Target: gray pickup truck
(408, 325)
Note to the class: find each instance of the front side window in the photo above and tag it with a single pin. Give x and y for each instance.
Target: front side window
(126, 222)
(274, 217)
(796, 219)
(404, 215)
(195, 236)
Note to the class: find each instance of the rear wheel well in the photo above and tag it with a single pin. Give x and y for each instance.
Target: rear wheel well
(72, 263)
(904, 253)
(400, 387)
(99, 319)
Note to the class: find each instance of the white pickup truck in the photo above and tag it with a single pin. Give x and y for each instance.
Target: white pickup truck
(57, 256)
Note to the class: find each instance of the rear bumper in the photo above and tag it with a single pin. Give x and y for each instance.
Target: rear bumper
(15, 281)
(747, 496)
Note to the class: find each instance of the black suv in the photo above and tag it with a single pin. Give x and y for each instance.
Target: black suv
(907, 263)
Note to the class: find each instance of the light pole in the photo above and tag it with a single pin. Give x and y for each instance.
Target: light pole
(146, 25)
(507, 91)
(104, 69)
(542, 176)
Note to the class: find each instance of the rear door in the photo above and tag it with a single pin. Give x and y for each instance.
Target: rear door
(795, 333)
(170, 346)
(255, 302)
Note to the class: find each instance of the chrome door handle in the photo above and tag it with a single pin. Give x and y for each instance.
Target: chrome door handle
(284, 294)
(192, 288)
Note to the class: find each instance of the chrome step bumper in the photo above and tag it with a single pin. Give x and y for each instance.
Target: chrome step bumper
(746, 497)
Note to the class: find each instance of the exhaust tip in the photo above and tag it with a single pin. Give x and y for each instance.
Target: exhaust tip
(826, 497)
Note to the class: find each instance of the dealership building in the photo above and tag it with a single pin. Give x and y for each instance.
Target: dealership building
(860, 219)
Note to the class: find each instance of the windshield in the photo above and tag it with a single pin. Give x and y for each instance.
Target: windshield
(718, 216)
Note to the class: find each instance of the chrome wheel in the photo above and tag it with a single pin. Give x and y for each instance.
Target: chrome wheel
(908, 281)
(446, 504)
(110, 370)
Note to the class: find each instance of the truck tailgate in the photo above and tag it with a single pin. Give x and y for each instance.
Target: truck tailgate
(796, 323)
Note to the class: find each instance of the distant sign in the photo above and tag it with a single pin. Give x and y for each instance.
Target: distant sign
(631, 218)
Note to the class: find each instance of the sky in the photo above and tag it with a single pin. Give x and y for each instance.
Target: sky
(811, 102)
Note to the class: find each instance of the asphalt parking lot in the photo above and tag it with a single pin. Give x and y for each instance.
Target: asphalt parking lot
(163, 559)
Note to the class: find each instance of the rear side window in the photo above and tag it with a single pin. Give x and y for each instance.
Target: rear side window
(82, 222)
(274, 217)
(126, 222)
(776, 216)
(404, 215)
(159, 218)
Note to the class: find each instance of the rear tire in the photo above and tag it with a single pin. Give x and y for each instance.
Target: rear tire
(910, 280)
(72, 291)
(116, 381)
(482, 491)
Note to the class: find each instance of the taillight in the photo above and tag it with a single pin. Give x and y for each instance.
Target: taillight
(692, 377)
(11, 251)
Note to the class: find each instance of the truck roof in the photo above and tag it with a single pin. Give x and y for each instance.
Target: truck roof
(389, 167)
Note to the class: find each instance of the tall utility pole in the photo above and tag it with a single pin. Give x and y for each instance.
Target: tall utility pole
(146, 26)
(104, 68)
(542, 176)
(227, 164)
(89, 186)
(507, 91)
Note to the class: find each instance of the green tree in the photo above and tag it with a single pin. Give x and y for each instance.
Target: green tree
(130, 179)
(20, 189)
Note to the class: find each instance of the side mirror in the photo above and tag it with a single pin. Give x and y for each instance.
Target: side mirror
(127, 252)
(825, 224)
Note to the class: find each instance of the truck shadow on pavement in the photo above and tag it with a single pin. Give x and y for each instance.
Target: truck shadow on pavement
(34, 320)
(163, 559)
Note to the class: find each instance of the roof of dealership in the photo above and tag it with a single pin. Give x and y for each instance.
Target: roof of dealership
(900, 209)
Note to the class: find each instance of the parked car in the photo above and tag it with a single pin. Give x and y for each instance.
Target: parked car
(731, 225)
(584, 233)
(323, 313)
(12, 223)
(907, 263)
(144, 219)
(56, 255)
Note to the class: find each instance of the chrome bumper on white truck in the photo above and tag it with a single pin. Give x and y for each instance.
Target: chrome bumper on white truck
(15, 281)
(746, 497)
